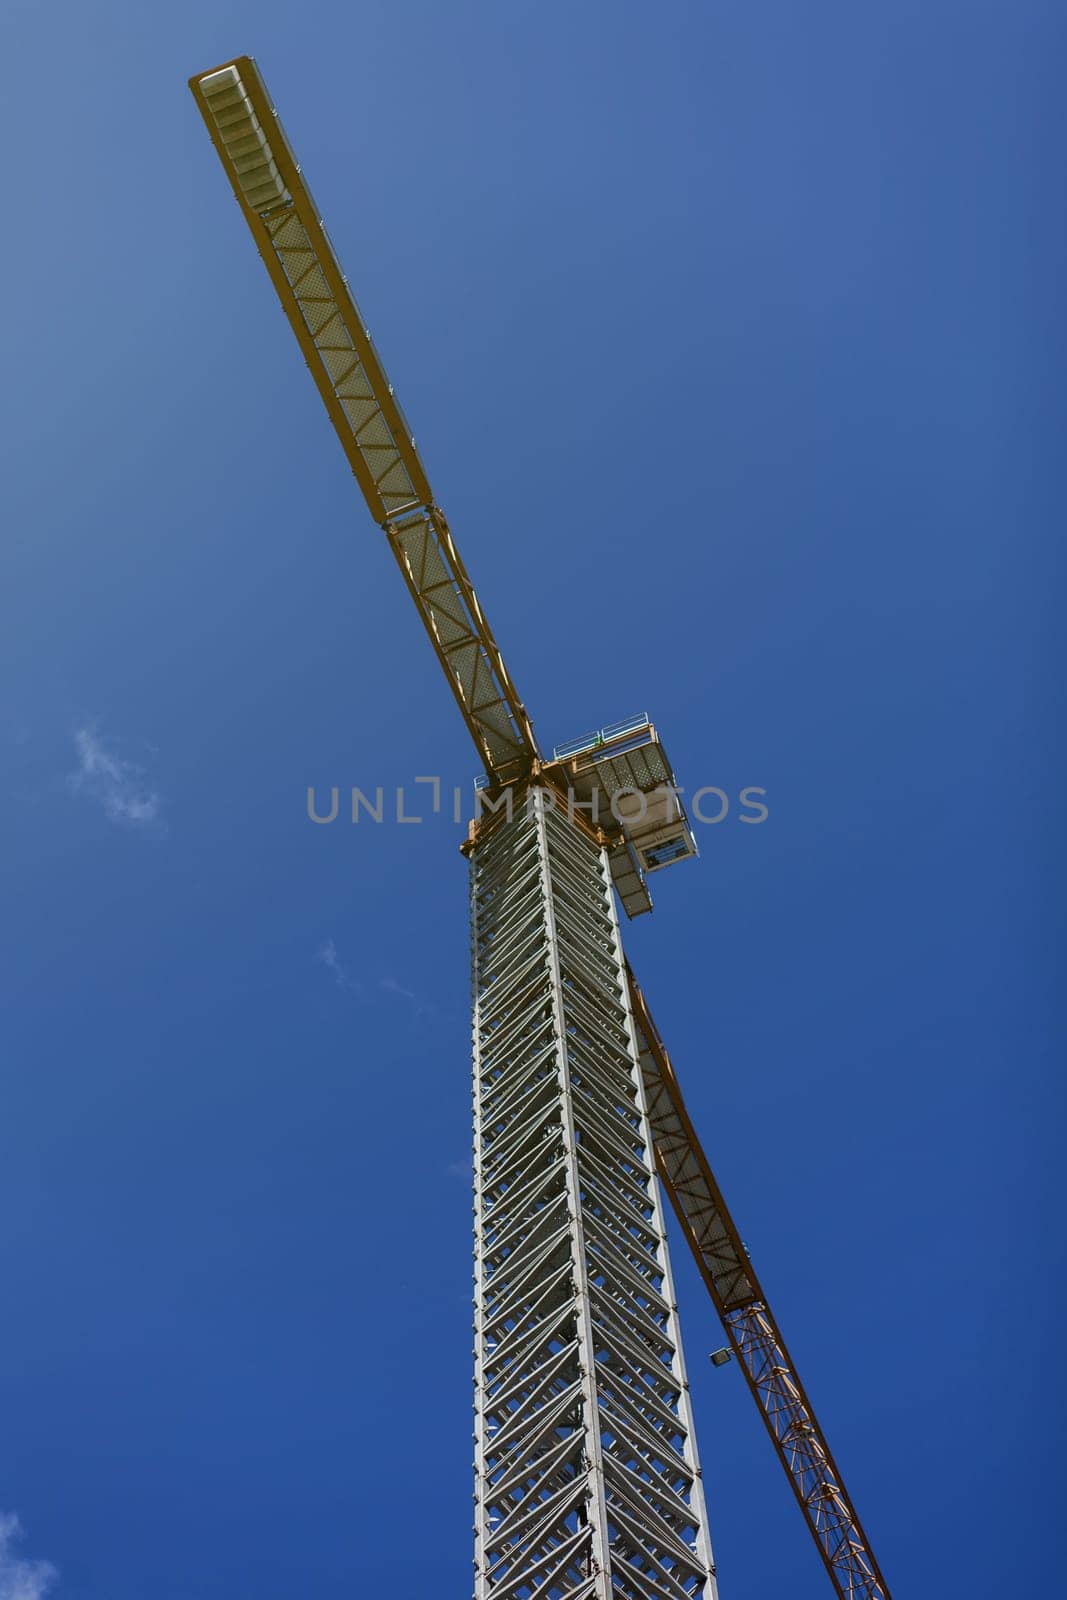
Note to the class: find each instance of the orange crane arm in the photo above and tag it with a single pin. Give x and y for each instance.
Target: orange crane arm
(340, 354)
(750, 1324)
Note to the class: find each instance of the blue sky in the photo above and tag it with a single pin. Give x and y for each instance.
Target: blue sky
(731, 336)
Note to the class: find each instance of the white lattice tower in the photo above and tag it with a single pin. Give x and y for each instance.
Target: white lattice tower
(587, 1480)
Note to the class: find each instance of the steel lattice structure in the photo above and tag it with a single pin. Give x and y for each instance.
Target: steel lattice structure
(750, 1324)
(587, 1482)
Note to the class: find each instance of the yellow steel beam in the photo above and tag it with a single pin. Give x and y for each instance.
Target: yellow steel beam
(296, 249)
(750, 1325)
(464, 644)
(340, 354)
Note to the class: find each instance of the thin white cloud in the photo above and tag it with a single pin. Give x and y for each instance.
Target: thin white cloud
(117, 785)
(460, 1169)
(21, 1579)
(393, 986)
(420, 1008)
(327, 954)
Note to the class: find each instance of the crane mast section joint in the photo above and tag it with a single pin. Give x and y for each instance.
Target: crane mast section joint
(292, 239)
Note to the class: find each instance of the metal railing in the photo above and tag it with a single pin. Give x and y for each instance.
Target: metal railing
(599, 736)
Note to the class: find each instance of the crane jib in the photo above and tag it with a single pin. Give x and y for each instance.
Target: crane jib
(340, 354)
(750, 1326)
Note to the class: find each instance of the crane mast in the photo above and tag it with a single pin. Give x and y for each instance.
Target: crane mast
(587, 1479)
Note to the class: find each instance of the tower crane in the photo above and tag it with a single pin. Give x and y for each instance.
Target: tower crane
(587, 1478)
